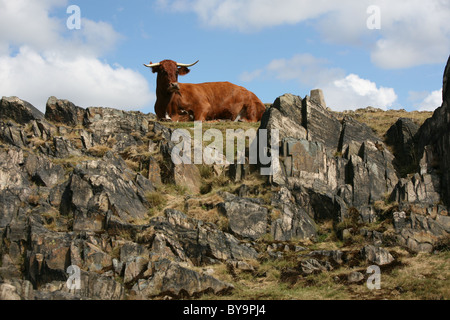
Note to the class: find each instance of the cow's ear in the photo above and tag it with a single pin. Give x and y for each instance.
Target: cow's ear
(182, 71)
(155, 69)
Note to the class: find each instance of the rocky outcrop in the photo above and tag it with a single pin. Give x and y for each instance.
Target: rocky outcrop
(336, 166)
(64, 112)
(171, 279)
(434, 137)
(401, 136)
(19, 111)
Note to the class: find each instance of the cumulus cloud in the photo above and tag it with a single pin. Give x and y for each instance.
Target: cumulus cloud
(40, 57)
(413, 32)
(353, 92)
(426, 101)
(342, 91)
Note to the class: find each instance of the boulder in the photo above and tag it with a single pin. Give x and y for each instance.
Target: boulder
(376, 255)
(355, 277)
(18, 110)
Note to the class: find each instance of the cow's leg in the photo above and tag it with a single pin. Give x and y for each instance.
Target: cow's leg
(201, 116)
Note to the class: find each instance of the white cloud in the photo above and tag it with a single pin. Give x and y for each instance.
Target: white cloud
(431, 102)
(40, 57)
(413, 32)
(342, 91)
(353, 92)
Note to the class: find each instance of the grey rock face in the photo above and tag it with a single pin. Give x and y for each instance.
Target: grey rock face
(247, 218)
(64, 111)
(321, 125)
(18, 110)
(353, 135)
(170, 278)
(197, 242)
(293, 222)
(101, 188)
(435, 133)
(401, 136)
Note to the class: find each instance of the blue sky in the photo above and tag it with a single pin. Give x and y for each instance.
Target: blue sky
(270, 47)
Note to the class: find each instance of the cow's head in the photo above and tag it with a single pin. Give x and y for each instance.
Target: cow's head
(168, 72)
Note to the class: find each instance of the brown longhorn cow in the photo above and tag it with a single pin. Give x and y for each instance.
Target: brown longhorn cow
(201, 102)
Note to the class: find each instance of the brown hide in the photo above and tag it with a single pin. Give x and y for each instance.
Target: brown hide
(202, 102)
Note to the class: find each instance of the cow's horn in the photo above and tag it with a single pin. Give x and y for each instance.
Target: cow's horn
(187, 65)
(151, 65)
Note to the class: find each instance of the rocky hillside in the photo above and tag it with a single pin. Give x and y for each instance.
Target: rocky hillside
(96, 188)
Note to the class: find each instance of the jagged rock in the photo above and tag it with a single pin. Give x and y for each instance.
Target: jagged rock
(376, 255)
(371, 174)
(320, 202)
(18, 110)
(48, 257)
(64, 111)
(247, 218)
(418, 189)
(89, 256)
(125, 128)
(286, 116)
(63, 148)
(421, 232)
(201, 243)
(435, 132)
(98, 287)
(170, 278)
(401, 137)
(43, 172)
(12, 134)
(353, 135)
(312, 266)
(100, 188)
(293, 222)
(321, 125)
(177, 171)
